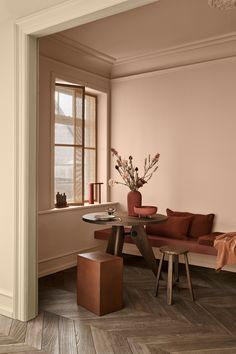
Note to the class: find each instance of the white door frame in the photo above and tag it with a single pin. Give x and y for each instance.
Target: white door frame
(69, 14)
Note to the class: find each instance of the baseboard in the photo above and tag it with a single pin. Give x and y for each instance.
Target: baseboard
(202, 260)
(6, 303)
(62, 262)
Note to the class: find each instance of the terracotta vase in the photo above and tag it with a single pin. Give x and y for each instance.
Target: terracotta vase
(134, 198)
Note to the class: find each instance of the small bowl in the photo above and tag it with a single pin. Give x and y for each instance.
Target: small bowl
(145, 211)
(111, 211)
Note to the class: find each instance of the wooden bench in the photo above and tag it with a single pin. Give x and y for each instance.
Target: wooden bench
(191, 244)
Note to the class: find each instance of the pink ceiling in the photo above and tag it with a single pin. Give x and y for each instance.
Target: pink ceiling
(161, 25)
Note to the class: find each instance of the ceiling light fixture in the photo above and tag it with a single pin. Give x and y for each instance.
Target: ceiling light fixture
(222, 4)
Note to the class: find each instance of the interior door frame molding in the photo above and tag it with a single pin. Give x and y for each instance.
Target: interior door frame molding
(69, 14)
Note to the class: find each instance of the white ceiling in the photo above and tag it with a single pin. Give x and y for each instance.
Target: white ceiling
(160, 25)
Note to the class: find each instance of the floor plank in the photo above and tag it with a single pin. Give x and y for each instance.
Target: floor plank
(50, 339)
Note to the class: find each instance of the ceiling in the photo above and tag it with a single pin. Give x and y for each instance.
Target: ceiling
(161, 25)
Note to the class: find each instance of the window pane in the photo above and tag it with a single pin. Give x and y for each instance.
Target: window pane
(79, 116)
(90, 121)
(89, 170)
(64, 171)
(64, 100)
(64, 121)
(68, 173)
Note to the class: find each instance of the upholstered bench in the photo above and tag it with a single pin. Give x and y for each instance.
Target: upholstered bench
(182, 229)
(203, 246)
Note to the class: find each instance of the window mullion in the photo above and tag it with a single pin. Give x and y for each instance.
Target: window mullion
(83, 135)
(75, 162)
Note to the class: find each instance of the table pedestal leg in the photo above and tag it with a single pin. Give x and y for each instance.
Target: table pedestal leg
(139, 236)
(116, 241)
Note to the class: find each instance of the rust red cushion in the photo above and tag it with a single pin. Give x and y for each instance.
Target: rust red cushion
(174, 226)
(200, 224)
(208, 240)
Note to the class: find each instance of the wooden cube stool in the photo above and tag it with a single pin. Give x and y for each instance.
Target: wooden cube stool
(173, 254)
(100, 282)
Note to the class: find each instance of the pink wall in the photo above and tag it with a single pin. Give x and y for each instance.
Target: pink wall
(188, 115)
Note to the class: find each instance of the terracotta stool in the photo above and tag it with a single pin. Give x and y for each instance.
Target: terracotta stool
(100, 282)
(173, 254)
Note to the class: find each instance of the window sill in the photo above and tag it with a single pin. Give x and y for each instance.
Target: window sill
(77, 207)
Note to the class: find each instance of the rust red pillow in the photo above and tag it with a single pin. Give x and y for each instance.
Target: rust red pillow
(200, 224)
(174, 227)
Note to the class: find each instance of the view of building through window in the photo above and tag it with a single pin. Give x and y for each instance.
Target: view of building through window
(75, 142)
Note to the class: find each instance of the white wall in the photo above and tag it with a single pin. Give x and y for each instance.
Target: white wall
(7, 146)
(188, 116)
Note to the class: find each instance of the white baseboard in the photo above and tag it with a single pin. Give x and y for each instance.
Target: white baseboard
(62, 262)
(6, 303)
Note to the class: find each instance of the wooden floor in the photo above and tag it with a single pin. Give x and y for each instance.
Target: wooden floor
(145, 325)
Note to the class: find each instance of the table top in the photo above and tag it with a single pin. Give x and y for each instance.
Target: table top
(122, 219)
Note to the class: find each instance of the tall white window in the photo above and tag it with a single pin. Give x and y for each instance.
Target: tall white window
(75, 142)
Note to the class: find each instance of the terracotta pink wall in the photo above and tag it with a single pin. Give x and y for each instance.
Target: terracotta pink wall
(188, 115)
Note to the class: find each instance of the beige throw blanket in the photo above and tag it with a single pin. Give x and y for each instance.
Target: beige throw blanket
(226, 249)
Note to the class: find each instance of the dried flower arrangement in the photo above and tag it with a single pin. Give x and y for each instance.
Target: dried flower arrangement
(130, 173)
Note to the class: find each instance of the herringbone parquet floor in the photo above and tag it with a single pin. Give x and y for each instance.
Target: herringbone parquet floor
(145, 325)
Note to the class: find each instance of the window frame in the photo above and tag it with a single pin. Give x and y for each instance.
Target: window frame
(82, 146)
(86, 93)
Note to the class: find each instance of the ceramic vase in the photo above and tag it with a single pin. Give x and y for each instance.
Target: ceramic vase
(134, 198)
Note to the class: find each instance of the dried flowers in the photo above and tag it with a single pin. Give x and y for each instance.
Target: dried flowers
(130, 173)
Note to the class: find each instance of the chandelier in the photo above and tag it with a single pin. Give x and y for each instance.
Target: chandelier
(222, 4)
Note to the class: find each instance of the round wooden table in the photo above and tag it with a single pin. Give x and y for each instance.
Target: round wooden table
(137, 233)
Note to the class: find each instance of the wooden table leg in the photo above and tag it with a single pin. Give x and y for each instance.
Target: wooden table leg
(139, 236)
(116, 241)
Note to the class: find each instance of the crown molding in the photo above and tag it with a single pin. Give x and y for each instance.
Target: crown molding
(195, 52)
(169, 70)
(191, 53)
(81, 48)
(70, 52)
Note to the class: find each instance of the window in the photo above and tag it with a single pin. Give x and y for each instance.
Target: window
(75, 142)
